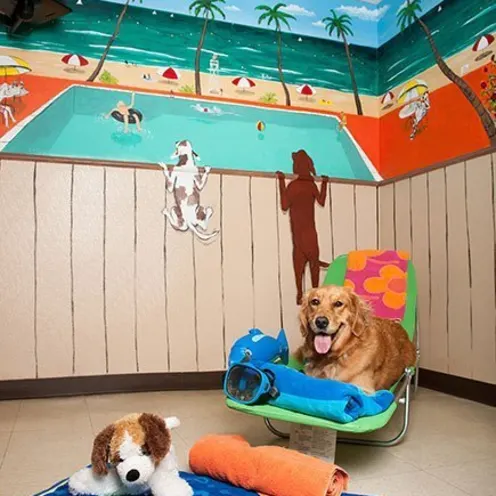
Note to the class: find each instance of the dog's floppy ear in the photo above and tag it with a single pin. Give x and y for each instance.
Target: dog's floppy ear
(360, 311)
(157, 436)
(304, 316)
(100, 453)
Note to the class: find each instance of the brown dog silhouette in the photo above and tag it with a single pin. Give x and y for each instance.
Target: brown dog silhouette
(299, 198)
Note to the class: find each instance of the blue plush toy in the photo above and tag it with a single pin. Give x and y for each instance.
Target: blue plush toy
(258, 347)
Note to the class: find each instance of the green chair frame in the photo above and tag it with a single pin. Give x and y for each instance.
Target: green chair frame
(402, 389)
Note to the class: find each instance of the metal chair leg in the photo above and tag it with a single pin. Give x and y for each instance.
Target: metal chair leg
(274, 430)
(405, 401)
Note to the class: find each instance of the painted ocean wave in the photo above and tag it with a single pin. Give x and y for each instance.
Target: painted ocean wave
(148, 40)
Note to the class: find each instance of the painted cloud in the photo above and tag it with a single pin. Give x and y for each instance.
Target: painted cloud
(298, 10)
(364, 13)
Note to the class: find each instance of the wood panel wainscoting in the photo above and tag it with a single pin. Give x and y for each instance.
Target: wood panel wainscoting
(94, 281)
(97, 290)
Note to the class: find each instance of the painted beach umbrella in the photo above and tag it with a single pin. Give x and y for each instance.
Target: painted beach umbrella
(412, 90)
(13, 66)
(243, 82)
(169, 73)
(481, 46)
(74, 60)
(388, 98)
(306, 90)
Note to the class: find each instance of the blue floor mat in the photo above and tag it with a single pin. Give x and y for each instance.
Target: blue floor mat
(202, 486)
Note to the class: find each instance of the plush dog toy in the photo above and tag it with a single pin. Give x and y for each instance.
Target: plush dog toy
(133, 456)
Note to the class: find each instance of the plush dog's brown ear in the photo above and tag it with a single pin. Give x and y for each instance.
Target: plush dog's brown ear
(304, 316)
(100, 453)
(361, 313)
(157, 436)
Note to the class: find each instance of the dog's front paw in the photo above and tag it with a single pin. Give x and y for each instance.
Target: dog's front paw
(207, 170)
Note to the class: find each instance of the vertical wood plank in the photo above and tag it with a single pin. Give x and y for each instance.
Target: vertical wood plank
(87, 252)
(53, 271)
(402, 215)
(287, 278)
(17, 271)
(421, 262)
(438, 358)
(208, 275)
(482, 245)
(120, 271)
(265, 254)
(150, 283)
(343, 218)
(459, 319)
(237, 257)
(386, 217)
(366, 217)
(180, 289)
(324, 233)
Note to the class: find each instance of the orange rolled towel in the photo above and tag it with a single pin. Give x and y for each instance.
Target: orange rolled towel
(269, 470)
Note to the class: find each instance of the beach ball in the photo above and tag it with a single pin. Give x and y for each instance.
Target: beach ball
(261, 126)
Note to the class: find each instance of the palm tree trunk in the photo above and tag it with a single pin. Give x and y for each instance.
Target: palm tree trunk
(198, 56)
(358, 103)
(111, 40)
(467, 91)
(279, 68)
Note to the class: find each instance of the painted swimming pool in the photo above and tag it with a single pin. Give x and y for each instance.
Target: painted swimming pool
(225, 136)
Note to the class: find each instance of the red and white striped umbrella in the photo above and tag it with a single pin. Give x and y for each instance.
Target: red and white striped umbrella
(306, 90)
(480, 46)
(169, 73)
(388, 98)
(483, 42)
(243, 83)
(74, 60)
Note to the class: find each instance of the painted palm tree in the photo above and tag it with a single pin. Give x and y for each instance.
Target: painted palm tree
(409, 14)
(111, 40)
(206, 9)
(341, 25)
(275, 15)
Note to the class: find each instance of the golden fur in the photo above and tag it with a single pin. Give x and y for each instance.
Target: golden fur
(364, 350)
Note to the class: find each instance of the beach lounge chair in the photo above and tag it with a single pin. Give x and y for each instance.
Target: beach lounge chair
(341, 272)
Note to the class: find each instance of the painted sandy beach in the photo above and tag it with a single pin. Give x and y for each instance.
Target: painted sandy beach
(49, 64)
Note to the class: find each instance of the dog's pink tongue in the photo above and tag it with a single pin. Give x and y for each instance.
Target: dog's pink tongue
(322, 343)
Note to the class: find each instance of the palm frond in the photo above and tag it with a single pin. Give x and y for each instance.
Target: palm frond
(263, 17)
(285, 21)
(263, 7)
(195, 4)
(347, 30)
(278, 6)
(214, 8)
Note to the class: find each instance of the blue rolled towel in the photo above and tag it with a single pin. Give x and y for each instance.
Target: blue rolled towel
(324, 398)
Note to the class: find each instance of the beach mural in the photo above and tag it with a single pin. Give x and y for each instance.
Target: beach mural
(371, 88)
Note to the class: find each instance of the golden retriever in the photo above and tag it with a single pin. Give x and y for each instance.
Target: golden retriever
(346, 342)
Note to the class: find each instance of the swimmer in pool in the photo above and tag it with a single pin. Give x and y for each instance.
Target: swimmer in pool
(127, 113)
(343, 121)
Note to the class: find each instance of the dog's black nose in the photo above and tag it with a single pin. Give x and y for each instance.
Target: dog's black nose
(133, 475)
(321, 322)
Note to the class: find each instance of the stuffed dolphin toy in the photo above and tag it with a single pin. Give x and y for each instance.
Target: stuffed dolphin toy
(258, 347)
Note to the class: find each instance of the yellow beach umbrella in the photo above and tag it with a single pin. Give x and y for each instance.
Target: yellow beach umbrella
(13, 66)
(412, 90)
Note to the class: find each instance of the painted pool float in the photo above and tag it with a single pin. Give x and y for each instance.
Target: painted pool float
(133, 113)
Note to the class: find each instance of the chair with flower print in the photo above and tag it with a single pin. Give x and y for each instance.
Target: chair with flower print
(386, 279)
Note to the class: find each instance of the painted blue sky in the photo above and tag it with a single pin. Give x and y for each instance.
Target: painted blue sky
(374, 21)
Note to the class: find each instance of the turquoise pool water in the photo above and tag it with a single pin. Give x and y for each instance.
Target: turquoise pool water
(226, 137)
